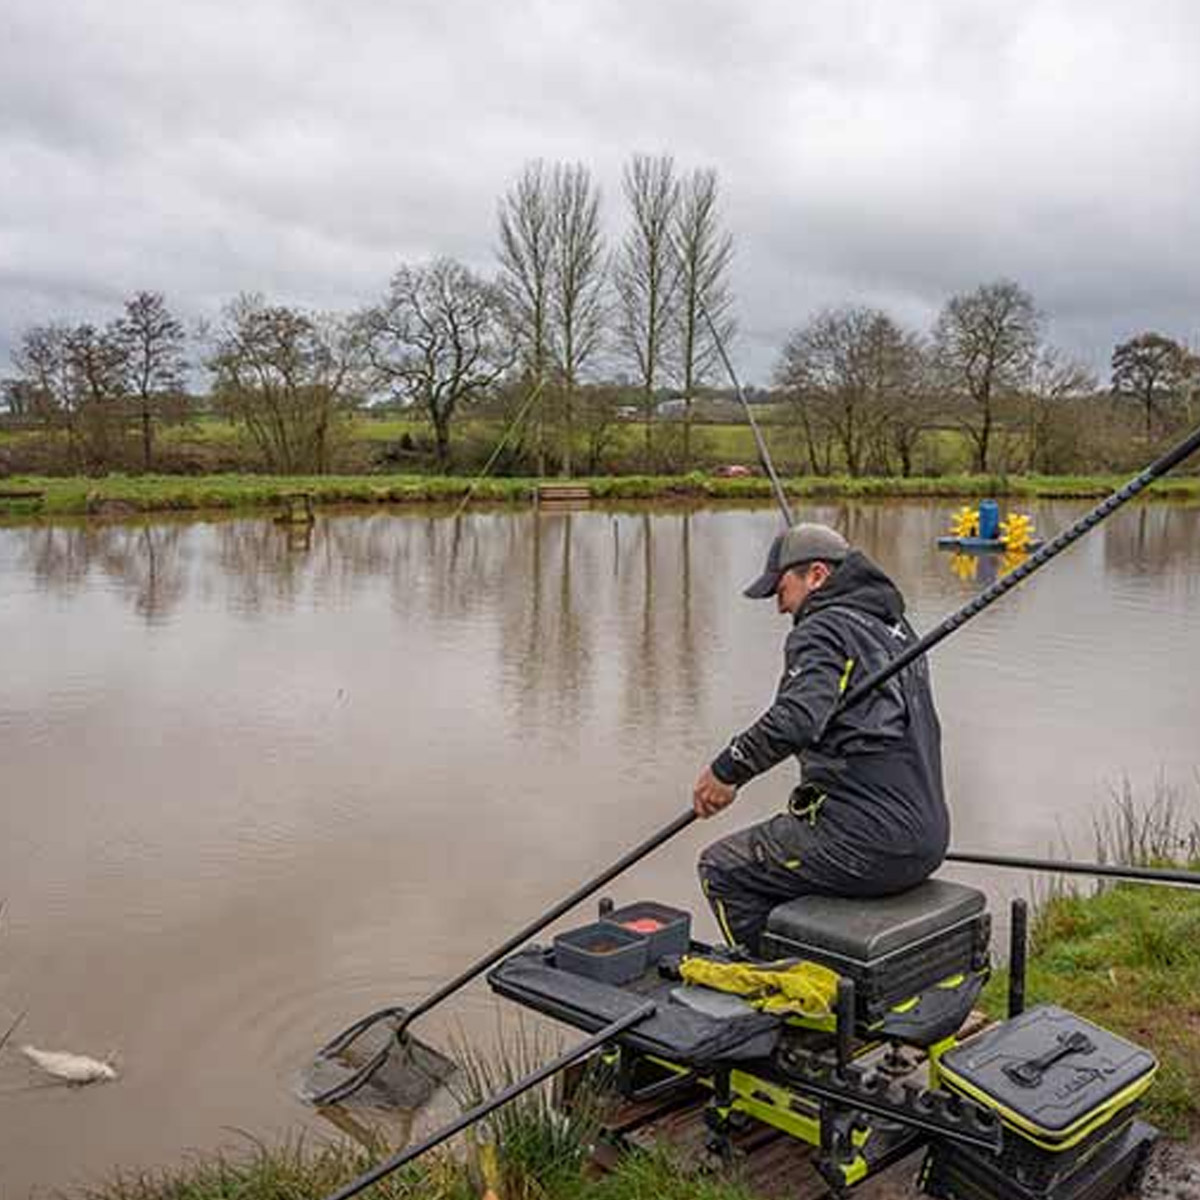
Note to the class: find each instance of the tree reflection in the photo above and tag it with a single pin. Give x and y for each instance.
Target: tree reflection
(1161, 537)
(147, 562)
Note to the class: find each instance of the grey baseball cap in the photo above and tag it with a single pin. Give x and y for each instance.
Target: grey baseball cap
(806, 542)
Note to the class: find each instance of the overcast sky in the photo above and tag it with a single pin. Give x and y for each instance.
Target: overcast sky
(871, 151)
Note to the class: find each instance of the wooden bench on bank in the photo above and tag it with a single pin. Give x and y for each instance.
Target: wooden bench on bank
(33, 495)
(562, 493)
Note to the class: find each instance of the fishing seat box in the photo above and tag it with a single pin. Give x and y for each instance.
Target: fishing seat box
(1066, 1092)
(952, 1172)
(892, 947)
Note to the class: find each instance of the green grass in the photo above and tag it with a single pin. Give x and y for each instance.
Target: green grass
(165, 493)
(300, 1170)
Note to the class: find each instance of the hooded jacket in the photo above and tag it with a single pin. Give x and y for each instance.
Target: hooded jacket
(871, 774)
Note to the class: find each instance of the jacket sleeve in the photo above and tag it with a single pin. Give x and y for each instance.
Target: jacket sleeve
(815, 668)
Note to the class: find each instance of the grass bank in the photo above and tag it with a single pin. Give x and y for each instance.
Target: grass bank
(299, 1170)
(116, 495)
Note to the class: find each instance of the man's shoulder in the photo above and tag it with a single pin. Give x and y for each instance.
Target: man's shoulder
(825, 623)
(840, 621)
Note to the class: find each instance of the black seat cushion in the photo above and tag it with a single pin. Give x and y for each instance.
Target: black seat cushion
(869, 929)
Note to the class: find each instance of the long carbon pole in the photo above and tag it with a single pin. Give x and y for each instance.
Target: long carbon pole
(764, 456)
(377, 1172)
(1168, 875)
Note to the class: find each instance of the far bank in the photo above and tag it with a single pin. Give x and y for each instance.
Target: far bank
(121, 495)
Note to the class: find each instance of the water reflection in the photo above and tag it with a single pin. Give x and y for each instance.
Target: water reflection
(272, 782)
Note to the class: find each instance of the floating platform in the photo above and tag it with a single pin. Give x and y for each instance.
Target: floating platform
(979, 545)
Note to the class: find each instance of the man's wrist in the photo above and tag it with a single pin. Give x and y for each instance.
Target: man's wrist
(728, 770)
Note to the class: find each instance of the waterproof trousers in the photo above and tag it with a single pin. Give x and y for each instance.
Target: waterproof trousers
(748, 873)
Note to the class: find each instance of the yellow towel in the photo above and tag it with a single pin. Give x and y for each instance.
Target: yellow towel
(802, 987)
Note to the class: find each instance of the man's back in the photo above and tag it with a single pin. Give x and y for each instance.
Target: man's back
(869, 815)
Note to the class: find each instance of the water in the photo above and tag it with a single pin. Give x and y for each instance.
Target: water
(254, 785)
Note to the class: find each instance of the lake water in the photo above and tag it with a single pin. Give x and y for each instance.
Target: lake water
(254, 784)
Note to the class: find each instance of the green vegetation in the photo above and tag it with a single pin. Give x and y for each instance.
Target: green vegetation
(116, 495)
(299, 1170)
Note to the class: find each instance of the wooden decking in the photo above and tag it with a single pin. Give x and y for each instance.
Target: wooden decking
(559, 495)
(769, 1163)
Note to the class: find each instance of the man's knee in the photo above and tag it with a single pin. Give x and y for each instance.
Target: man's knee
(716, 865)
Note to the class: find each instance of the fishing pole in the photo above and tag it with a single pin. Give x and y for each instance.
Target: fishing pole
(487, 466)
(1171, 876)
(764, 456)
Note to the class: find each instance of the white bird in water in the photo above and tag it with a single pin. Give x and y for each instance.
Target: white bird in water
(71, 1068)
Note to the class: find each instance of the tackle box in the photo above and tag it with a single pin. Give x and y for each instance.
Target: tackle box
(669, 930)
(892, 947)
(602, 951)
(953, 1172)
(1062, 1087)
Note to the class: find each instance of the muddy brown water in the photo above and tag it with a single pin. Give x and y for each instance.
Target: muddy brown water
(255, 783)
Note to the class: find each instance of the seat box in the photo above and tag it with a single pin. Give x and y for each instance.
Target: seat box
(953, 1172)
(1062, 1087)
(892, 947)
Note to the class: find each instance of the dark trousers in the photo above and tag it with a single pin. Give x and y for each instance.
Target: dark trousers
(748, 873)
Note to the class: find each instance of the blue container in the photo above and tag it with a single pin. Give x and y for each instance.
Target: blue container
(989, 519)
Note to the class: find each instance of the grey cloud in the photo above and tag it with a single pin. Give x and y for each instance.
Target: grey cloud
(868, 151)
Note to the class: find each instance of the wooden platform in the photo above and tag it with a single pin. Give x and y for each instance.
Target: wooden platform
(561, 494)
(769, 1163)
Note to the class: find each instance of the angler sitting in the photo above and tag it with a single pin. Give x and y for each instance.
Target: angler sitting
(869, 817)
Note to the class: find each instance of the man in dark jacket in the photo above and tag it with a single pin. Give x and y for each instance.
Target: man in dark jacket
(869, 816)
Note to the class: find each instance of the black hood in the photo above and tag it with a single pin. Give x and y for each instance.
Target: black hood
(857, 583)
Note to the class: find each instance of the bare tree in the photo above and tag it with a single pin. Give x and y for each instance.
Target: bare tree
(905, 388)
(577, 281)
(985, 343)
(1153, 370)
(704, 255)
(439, 339)
(647, 275)
(96, 363)
(44, 381)
(852, 370)
(288, 377)
(528, 229)
(1056, 382)
(153, 341)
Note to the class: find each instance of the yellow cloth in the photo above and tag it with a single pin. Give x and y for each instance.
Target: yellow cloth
(803, 987)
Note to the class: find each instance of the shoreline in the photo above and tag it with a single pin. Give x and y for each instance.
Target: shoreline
(132, 495)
